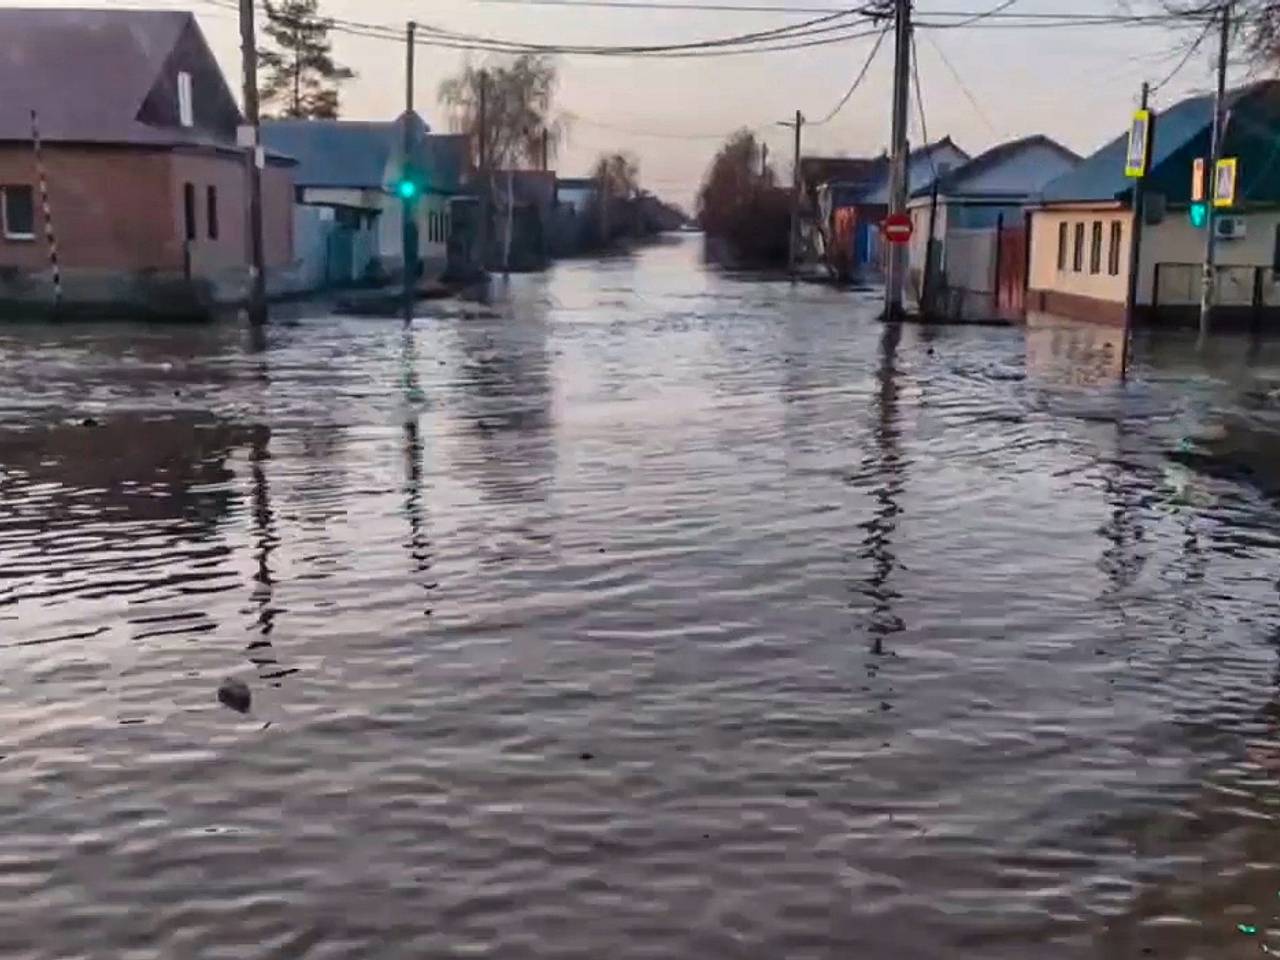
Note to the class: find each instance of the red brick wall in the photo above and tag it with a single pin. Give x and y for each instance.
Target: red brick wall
(108, 208)
(121, 208)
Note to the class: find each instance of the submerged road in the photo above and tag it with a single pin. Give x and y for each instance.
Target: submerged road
(650, 612)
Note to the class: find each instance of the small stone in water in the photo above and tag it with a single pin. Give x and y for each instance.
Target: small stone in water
(235, 694)
(586, 756)
(89, 422)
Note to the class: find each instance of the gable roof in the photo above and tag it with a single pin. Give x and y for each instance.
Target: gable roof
(920, 171)
(88, 73)
(816, 170)
(1182, 133)
(968, 175)
(334, 153)
(360, 154)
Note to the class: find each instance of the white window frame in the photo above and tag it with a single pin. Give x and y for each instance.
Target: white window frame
(4, 214)
(186, 103)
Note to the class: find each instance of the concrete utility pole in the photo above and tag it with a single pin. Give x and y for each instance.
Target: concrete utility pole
(1209, 281)
(895, 274)
(1135, 241)
(408, 228)
(764, 159)
(256, 160)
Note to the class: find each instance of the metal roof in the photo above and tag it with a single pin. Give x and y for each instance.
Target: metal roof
(355, 154)
(88, 74)
(1182, 133)
(957, 181)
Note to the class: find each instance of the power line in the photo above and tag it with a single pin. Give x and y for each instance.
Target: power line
(856, 82)
(1208, 27)
(964, 88)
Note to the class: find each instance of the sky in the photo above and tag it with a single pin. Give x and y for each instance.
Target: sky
(1078, 85)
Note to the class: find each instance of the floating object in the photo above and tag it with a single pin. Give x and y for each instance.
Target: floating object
(235, 694)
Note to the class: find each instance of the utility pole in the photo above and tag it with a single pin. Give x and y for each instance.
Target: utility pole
(546, 150)
(895, 274)
(256, 159)
(764, 159)
(484, 172)
(1135, 242)
(1209, 278)
(408, 194)
(794, 249)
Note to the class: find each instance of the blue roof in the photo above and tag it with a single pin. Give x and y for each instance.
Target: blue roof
(354, 154)
(334, 153)
(1014, 169)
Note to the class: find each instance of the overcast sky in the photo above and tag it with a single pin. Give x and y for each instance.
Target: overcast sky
(1077, 85)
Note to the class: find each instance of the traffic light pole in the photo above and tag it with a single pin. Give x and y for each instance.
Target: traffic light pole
(1135, 242)
(895, 275)
(257, 266)
(1209, 277)
(408, 237)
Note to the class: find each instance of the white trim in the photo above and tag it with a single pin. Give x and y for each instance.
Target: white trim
(4, 215)
(186, 104)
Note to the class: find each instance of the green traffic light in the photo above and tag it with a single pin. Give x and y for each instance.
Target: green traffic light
(407, 189)
(1199, 214)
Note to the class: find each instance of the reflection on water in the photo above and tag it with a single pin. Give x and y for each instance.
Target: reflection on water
(650, 612)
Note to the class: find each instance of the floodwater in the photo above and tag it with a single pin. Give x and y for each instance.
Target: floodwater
(649, 613)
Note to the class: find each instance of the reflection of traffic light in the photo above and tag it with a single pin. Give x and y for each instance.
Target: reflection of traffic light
(1198, 213)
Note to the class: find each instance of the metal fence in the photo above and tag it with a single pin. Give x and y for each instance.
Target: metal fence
(1180, 285)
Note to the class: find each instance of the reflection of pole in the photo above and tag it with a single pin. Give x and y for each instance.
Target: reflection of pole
(484, 170)
(257, 267)
(1135, 242)
(408, 238)
(887, 465)
(1215, 154)
(896, 266)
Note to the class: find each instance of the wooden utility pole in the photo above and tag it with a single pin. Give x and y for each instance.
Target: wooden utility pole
(1135, 241)
(895, 274)
(408, 184)
(793, 249)
(1209, 277)
(256, 160)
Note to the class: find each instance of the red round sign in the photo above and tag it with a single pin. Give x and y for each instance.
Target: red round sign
(896, 228)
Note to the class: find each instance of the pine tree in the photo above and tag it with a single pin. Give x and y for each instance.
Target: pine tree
(302, 79)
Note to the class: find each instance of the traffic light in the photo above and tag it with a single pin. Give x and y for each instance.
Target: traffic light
(407, 188)
(1198, 212)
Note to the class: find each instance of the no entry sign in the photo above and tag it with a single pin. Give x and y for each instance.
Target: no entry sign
(896, 228)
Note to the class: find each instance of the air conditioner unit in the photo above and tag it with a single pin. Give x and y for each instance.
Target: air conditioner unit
(1229, 228)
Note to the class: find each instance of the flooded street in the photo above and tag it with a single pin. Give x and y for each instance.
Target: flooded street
(647, 613)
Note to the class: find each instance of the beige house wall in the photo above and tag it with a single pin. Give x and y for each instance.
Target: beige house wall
(1176, 241)
(1045, 275)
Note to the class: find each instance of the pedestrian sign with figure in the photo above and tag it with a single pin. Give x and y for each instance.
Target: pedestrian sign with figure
(1135, 159)
(1224, 182)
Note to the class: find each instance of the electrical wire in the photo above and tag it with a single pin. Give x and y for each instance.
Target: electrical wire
(924, 126)
(857, 81)
(1186, 57)
(964, 88)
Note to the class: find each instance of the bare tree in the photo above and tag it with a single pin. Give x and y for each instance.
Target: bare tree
(519, 100)
(618, 175)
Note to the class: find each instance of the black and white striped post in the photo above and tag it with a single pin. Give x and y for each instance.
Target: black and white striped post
(50, 237)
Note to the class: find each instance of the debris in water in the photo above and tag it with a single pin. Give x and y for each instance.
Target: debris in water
(89, 422)
(235, 694)
(585, 755)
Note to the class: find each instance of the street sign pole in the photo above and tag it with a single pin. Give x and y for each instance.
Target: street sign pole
(1135, 241)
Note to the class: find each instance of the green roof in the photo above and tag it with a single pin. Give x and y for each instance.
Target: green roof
(1183, 133)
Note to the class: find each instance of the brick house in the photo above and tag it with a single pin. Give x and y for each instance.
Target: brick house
(147, 188)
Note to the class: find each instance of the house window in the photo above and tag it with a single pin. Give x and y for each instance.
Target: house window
(1062, 245)
(186, 113)
(189, 209)
(1275, 255)
(1113, 251)
(19, 212)
(1095, 248)
(1077, 251)
(211, 211)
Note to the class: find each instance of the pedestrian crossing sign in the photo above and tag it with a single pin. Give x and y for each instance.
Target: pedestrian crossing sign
(1135, 158)
(1224, 182)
